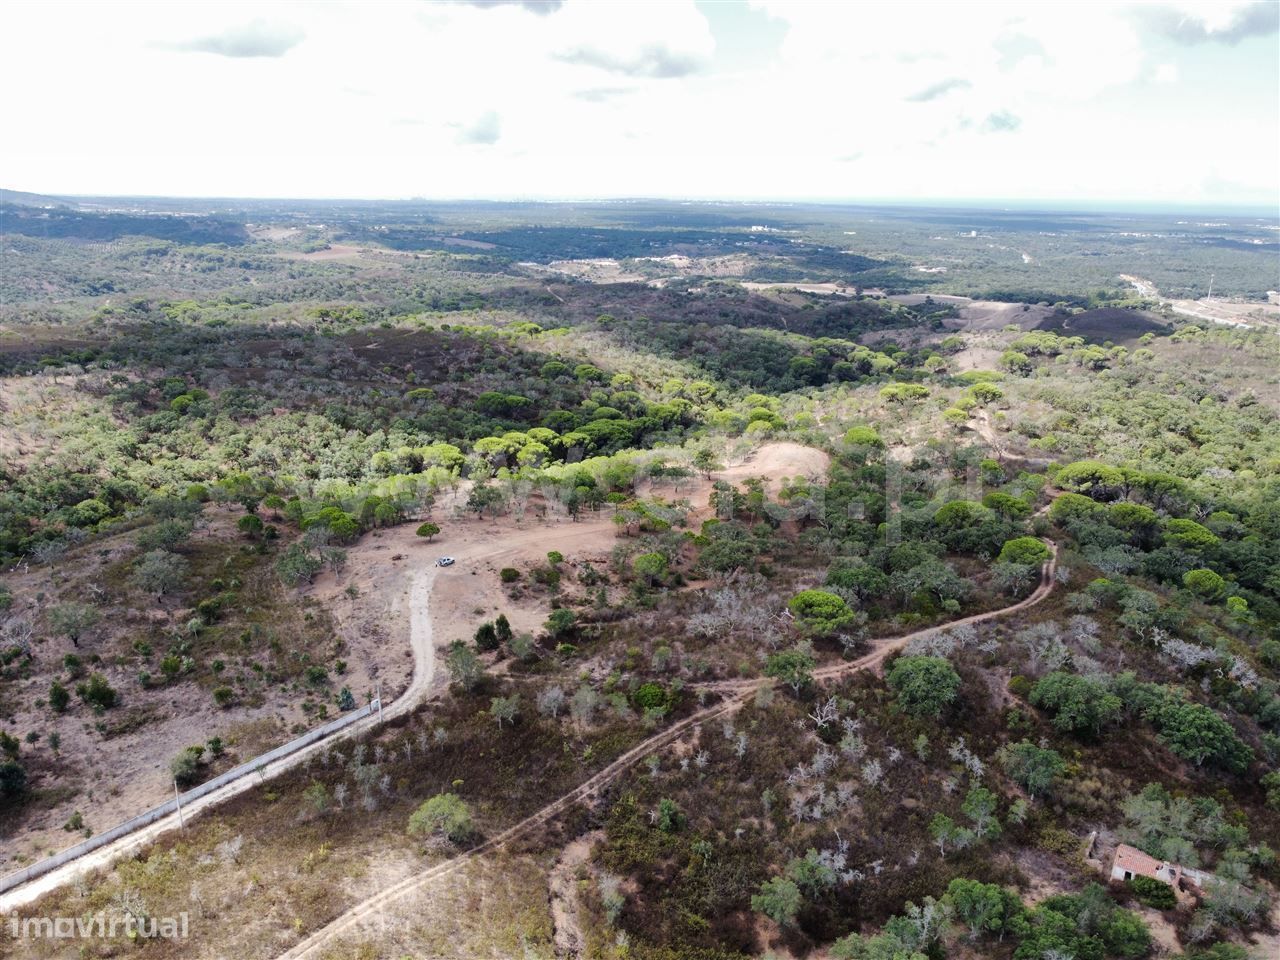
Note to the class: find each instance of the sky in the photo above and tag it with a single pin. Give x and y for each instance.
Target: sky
(1114, 103)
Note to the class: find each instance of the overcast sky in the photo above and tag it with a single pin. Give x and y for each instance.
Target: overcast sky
(1127, 102)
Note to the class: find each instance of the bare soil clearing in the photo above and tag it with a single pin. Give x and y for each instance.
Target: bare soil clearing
(392, 593)
(273, 234)
(112, 767)
(398, 598)
(1232, 313)
(563, 886)
(336, 251)
(830, 289)
(983, 314)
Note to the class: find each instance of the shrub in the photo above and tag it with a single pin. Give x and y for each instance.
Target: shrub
(486, 637)
(779, 899)
(509, 574)
(58, 697)
(560, 622)
(819, 612)
(1033, 767)
(1020, 686)
(925, 685)
(669, 819)
(97, 692)
(445, 814)
(345, 699)
(1154, 893)
(1029, 551)
(502, 627)
(185, 767)
(1219, 951)
(651, 696)
(160, 571)
(1059, 841)
(547, 576)
(224, 696)
(650, 567)
(1204, 583)
(13, 779)
(1080, 705)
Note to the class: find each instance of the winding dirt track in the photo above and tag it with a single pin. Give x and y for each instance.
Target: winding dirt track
(736, 697)
(472, 543)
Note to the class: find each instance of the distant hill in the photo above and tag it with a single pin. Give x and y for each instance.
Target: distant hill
(18, 198)
(34, 216)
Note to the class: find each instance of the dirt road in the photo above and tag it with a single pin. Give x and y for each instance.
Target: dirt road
(370, 908)
(433, 620)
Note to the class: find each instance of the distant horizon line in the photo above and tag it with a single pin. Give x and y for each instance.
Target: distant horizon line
(1045, 205)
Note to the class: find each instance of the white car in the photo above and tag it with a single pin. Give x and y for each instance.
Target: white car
(444, 562)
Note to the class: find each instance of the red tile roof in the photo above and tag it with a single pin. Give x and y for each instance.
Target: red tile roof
(1136, 862)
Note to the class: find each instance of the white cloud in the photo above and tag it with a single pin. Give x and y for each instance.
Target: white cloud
(1216, 21)
(258, 38)
(656, 60)
(939, 89)
(623, 98)
(485, 129)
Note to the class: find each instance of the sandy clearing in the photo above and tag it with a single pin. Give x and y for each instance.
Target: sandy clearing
(976, 358)
(981, 314)
(1232, 313)
(830, 289)
(273, 234)
(398, 597)
(915, 299)
(990, 315)
(393, 593)
(335, 251)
